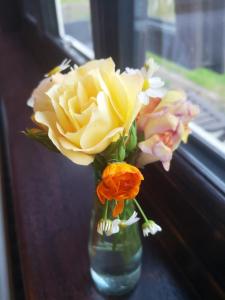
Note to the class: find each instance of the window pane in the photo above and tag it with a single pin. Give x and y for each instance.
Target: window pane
(76, 23)
(31, 9)
(162, 10)
(187, 39)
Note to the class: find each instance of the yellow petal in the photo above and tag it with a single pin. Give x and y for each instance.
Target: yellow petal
(101, 146)
(133, 85)
(41, 100)
(102, 121)
(102, 64)
(117, 94)
(64, 100)
(81, 119)
(112, 136)
(170, 98)
(72, 137)
(49, 120)
(55, 93)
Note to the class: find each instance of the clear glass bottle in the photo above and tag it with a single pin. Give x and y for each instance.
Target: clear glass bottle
(115, 261)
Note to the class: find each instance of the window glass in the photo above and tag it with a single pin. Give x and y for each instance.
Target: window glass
(162, 10)
(31, 9)
(187, 39)
(76, 23)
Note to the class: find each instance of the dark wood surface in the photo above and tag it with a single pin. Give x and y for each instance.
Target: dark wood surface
(52, 200)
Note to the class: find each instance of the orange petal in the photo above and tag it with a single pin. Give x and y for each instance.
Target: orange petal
(99, 193)
(118, 208)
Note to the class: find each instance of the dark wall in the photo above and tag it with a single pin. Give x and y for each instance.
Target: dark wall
(10, 15)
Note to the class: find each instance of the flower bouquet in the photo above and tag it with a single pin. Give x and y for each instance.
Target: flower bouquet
(118, 122)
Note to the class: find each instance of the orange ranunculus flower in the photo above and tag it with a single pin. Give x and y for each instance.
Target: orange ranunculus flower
(120, 181)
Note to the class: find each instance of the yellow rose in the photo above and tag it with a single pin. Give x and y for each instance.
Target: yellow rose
(88, 108)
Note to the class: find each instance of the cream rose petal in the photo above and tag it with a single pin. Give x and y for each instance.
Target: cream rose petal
(170, 98)
(102, 121)
(106, 65)
(132, 85)
(41, 101)
(161, 124)
(163, 152)
(38, 100)
(145, 159)
(72, 137)
(64, 105)
(56, 93)
(82, 97)
(48, 119)
(116, 93)
(153, 149)
(30, 102)
(81, 119)
(101, 146)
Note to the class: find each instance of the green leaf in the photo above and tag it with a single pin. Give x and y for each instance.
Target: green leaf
(121, 153)
(41, 137)
(132, 140)
(99, 165)
(115, 151)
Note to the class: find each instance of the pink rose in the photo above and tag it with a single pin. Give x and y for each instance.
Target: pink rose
(165, 124)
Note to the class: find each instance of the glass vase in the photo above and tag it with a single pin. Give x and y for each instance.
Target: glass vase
(115, 260)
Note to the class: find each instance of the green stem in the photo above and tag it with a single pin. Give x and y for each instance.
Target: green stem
(141, 210)
(106, 210)
(114, 244)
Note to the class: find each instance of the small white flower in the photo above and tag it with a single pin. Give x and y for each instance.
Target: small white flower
(150, 227)
(150, 67)
(155, 89)
(112, 227)
(104, 226)
(153, 86)
(65, 64)
(133, 219)
(117, 223)
(143, 98)
(132, 71)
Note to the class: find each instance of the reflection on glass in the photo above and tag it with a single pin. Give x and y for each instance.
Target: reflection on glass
(163, 10)
(187, 39)
(76, 21)
(31, 9)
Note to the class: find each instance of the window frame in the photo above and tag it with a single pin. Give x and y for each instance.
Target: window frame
(121, 15)
(13, 272)
(107, 42)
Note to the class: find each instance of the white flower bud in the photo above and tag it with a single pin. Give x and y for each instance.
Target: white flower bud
(150, 227)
